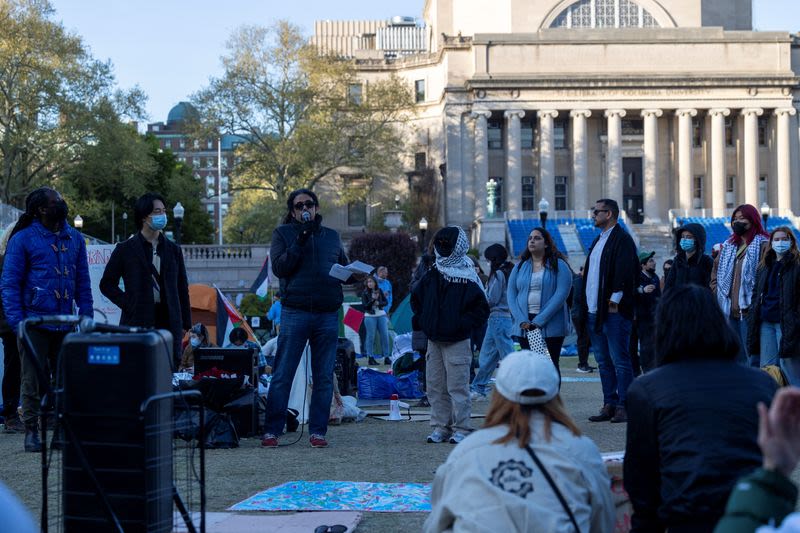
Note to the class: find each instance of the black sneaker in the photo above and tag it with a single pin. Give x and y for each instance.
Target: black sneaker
(372, 361)
(14, 425)
(387, 361)
(585, 369)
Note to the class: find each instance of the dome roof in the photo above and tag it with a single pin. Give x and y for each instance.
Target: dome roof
(181, 112)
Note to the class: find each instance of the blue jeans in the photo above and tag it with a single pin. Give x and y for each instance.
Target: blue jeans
(791, 367)
(496, 345)
(381, 323)
(739, 326)
(770, 336)
(321, 330)
(612, 356)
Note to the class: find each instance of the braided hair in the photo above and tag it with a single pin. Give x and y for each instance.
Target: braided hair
(33, 202)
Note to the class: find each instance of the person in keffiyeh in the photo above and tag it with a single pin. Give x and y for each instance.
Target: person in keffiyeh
(734, 275)
(448, 303)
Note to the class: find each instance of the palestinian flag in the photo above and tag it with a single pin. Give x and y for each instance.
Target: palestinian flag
(351, 323)
(228, 317)
(261, 284)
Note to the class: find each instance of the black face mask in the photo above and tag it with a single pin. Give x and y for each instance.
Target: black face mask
(739, 228)
(57, 212)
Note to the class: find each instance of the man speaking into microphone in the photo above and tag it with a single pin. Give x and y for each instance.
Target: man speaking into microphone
(302, 253)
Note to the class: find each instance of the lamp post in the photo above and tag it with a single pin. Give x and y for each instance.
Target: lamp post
(544, 208)
(423, 227)
(396, 202)
(765, 214)
(78, 222)
(178, 212)
(125, 225)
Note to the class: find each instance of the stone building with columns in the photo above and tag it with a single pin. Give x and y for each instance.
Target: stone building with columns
(668, 106)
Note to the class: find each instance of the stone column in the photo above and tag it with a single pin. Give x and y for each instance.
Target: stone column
(481, 162)
(547, 166)
(580, 167)
(652, 209)
(614, 154)
(784, 155)
(718, 160)
(513, 182)
(751, 154)
(685, 156)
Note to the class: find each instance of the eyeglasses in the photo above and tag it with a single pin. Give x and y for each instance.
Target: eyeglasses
(308, 204)
(596, 211)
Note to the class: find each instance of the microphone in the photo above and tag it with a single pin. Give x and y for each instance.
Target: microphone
(306, 216)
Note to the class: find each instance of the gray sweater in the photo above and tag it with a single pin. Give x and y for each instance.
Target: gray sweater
(497, 296)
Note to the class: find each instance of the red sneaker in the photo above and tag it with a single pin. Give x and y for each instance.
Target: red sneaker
(317, 441)
(269, 441)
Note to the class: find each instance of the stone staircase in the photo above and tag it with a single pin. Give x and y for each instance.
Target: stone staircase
(575, 253)
(657, 238)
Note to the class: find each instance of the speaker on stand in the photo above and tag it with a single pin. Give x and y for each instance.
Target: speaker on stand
(117, 462)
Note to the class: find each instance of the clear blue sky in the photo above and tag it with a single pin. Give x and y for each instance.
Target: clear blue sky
(170, 48)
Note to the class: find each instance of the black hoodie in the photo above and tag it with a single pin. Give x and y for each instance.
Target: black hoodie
(695, 270)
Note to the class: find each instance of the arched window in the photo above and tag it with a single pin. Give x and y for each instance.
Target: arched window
(605, 14)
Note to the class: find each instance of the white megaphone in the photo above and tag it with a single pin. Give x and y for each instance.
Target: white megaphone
(394, 408)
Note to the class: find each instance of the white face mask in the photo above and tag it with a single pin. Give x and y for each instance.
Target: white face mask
(781, 247)
(195, 342)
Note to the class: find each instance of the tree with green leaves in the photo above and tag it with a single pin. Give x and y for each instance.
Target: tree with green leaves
(121, 166)
(54, 99)
(303, 117)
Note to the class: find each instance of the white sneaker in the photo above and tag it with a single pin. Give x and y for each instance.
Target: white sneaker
(457, 437)
(438, 436)
(476, 396)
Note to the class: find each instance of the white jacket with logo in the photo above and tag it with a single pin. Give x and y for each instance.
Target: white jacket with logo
(485, 487)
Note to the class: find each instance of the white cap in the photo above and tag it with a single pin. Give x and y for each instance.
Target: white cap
(527, 371)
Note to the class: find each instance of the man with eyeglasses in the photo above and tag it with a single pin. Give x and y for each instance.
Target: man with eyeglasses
(611, 269)
(302, 253)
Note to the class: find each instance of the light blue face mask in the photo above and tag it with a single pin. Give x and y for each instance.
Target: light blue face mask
(781, 247)
(158, 222)
(687, 245)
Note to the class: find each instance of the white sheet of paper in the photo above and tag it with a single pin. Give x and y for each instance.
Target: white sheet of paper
(356, 267)
(360, 268)
(339, 272)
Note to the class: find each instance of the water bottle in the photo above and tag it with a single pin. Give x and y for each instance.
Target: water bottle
(394, 408)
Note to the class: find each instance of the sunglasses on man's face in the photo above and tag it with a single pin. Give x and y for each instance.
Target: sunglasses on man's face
(598, 211)
(308, 204)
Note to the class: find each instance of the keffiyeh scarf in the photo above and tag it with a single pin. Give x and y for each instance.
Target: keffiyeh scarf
(725, 272)
(457, 267)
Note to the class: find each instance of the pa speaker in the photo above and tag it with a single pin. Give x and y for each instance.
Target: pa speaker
(104, 379)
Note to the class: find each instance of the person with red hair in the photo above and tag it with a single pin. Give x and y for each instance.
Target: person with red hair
(734, 276)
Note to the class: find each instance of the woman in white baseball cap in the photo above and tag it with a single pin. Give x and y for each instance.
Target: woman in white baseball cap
(529, 469)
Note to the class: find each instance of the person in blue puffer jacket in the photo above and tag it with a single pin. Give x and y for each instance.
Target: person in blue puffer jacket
(46, 272)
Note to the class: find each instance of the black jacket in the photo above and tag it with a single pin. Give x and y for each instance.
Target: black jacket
(692, 428)
(646, 303)
(619, 265)
(130, 262)
(447, 311)
(789, 298)
(303, 269)
(695, 270)
(578, 309)
(370, 303)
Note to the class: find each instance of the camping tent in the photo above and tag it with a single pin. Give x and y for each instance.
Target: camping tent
(203, 300)
(401, 318)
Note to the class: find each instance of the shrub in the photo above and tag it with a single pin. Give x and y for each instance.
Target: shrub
(252, 305)
(395, 251)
